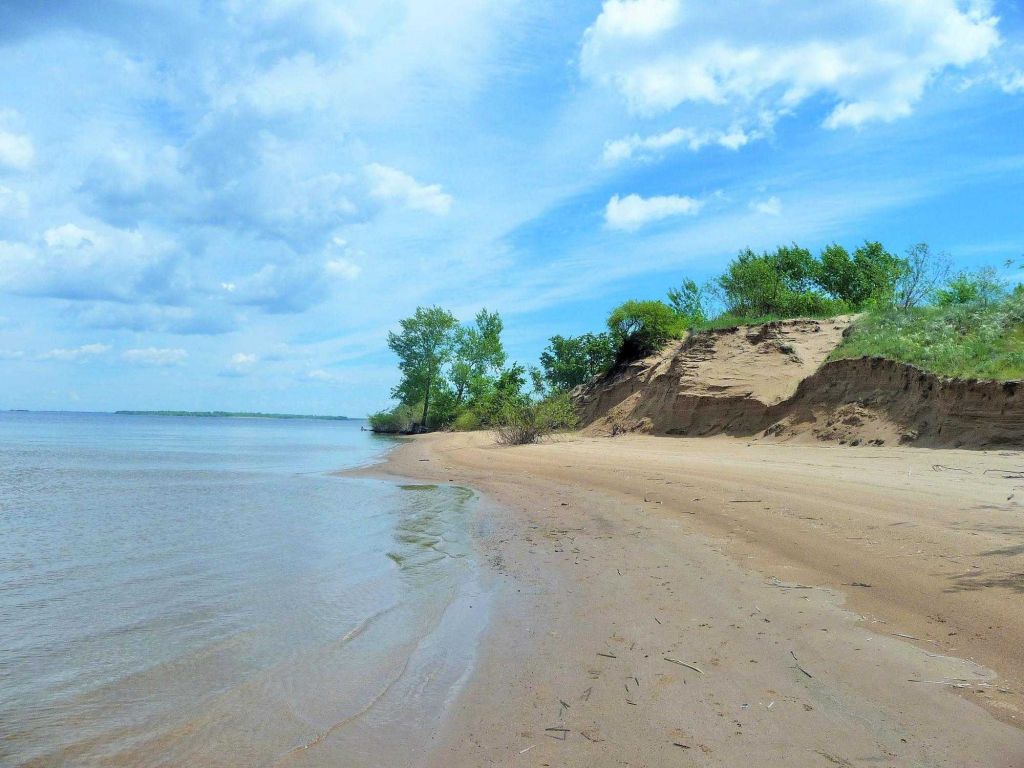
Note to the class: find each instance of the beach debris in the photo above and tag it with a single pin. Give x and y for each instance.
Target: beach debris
(911, 637)
(524, 751)
(562, 733)
(591, 734)
(585, 696)
(858, 584)
(776, 583)
(798, 666)
(678, 744)
(607, 655)
(684, 664)
(944, 468)
(657, 619)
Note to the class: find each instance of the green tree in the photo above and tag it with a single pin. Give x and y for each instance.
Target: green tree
(778, 284)
(870, 275)
(478, 357)
(569, 361)
(690, 302)
(922, 274)
(982, 288)
(642, 327)
(423, 347)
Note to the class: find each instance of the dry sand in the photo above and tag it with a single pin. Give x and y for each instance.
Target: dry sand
(790, 576)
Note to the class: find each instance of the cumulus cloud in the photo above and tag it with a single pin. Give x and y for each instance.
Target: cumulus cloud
(772, 206)
(92, 263)
(155, 356)
(16, 151)
(631, 212)
(871, 59)
(391, 184)
(74, 354)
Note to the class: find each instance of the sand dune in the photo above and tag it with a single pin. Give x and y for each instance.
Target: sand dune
(772, 381)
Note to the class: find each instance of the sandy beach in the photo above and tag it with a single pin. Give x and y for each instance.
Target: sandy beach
(717, 601)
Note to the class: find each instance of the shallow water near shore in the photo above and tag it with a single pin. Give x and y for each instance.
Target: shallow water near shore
(184, 591)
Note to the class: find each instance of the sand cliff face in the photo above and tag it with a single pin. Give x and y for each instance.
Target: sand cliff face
(772, 381)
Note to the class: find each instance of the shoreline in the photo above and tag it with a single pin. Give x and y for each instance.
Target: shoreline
(612, 556)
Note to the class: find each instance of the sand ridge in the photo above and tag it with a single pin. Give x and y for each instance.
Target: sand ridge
(775, 382)
(744, 561)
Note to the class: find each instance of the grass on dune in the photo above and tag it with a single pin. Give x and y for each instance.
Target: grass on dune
(964, 340)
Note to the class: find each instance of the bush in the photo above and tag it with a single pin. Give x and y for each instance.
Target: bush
(642, 327)
(399, 420)
(525, 423)
(467, 421)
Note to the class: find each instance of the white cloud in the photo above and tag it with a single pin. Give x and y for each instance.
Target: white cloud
(156, 356)
(632, 19)
(16, 151)
(11, 354)
(325, 377)
(240, 364)
(84, 352)
(94, 262)
(71, 236)
(770, 207)
(1012, 82)
(391, 184)
(651, 147)
(631, 212)
(872, 59)
(343, 269)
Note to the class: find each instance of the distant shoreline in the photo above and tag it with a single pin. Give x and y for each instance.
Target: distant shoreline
(233, 415)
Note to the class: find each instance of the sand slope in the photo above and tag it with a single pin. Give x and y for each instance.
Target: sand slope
(772, 381)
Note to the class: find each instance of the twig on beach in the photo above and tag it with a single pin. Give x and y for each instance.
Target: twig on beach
(780, 585)
(657, 619)
(746, 501)
(677, 744)
(684, 664)
(1008, 474)
(944, 468)
(563, 733)
(585, 696)
(911, 637)
(607, 655)
(524, 751)
(800, 667)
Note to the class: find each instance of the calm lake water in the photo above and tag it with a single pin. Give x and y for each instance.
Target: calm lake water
(201, 592)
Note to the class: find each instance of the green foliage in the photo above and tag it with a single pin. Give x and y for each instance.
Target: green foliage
(479, 356)
(922, 274)
(642, 327)
(531, 420)
(467, 421)
(689, 302)
(448, 369)
(398, 420)
(423, 347)
(780, 284)
(870, 276)
(569, 361)
(982, 287)
(968, 339)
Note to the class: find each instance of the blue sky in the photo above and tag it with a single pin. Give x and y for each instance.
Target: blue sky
(227, 204)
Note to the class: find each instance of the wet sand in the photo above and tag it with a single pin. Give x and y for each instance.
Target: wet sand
(668, 601)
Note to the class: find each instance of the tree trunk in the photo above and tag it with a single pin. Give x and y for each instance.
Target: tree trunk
(426, 401)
